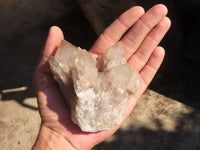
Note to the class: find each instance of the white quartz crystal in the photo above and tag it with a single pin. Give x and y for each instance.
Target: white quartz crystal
(97, 91)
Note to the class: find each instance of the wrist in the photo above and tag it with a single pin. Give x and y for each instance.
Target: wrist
(49, 139)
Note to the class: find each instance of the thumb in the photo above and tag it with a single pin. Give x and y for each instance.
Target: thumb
(53, 41)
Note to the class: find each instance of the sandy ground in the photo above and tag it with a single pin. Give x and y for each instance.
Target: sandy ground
(157, 122)
(19, 125)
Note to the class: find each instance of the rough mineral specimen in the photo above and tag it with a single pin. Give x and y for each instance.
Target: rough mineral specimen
(97, 91)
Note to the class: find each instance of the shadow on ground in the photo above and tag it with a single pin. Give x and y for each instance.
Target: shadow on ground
(19, 95)
(184, 136)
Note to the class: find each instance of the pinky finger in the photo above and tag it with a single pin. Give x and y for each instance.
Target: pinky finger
(149, 70)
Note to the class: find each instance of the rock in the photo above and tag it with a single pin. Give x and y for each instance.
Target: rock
(97, 91)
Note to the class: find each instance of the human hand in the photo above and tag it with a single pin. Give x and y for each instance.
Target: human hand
(141, 51)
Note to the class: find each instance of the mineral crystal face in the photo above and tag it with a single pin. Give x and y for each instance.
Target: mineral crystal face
(97, 91)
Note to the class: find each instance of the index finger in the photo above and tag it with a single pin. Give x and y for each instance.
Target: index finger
(114, 32)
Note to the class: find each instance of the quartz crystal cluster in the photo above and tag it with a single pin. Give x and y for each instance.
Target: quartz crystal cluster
(96, 90)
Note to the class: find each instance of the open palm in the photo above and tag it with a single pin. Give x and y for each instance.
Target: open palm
(145, 31)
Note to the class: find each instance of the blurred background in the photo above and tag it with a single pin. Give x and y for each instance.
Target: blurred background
(24, 26)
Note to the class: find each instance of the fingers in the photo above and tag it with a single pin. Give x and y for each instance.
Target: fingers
(146, 75)
(141, 56)
(133, 39)
(114, 32)
(149, 70)
(53, 41)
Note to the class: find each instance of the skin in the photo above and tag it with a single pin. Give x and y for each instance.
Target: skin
(141, 51)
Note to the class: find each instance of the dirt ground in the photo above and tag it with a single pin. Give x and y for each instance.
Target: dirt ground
(23, 28)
